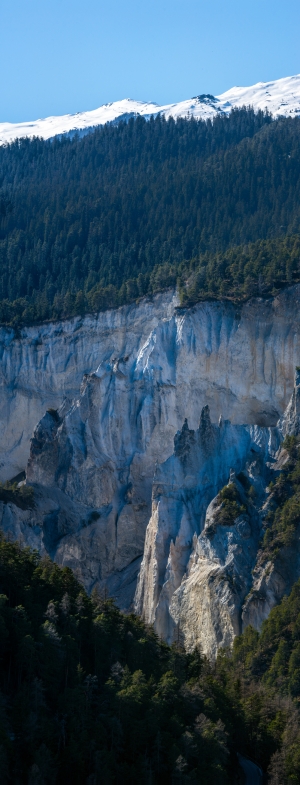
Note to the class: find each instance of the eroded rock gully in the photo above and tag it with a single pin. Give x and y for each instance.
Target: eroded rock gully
(125, 476)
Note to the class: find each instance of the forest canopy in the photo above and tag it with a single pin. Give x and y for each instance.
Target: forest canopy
(132, 209)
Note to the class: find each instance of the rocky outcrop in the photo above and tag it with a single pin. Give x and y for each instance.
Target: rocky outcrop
(207, 606)
(194, 580)
(124, 475)
(183, 487)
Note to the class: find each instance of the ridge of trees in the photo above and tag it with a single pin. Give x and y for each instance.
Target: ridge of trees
(92, 223)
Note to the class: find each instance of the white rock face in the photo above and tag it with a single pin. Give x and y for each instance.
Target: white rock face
(239, 362)
(43, 366)
(182, 489)
(207, 605)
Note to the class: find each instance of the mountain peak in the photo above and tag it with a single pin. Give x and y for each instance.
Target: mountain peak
(280, 97)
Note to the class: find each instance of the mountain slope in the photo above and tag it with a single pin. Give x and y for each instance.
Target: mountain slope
(97, 222)
(281, 98)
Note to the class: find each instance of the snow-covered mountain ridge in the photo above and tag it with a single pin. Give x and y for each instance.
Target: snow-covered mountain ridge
(281, 97)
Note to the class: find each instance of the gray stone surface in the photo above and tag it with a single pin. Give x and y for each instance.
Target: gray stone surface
(239, 361)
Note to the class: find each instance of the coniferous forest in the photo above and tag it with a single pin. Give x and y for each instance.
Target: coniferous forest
(90, 695)
(131, 209)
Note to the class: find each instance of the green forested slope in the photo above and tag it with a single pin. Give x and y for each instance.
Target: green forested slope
(96, 222)
(88, 695)
(91, 696)
(266, 671)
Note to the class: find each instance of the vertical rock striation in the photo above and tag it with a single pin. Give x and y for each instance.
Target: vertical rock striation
(238, 360)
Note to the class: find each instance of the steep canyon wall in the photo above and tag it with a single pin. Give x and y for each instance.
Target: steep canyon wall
(124, 474)
(240, 361)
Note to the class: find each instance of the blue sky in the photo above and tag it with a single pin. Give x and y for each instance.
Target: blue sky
(60, 56)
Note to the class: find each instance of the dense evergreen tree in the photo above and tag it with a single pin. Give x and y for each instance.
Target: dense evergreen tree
(130, 209)
(91, 696)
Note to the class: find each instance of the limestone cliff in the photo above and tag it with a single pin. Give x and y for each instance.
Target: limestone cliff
(43, 366)
(239, 361)
(123, 475)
